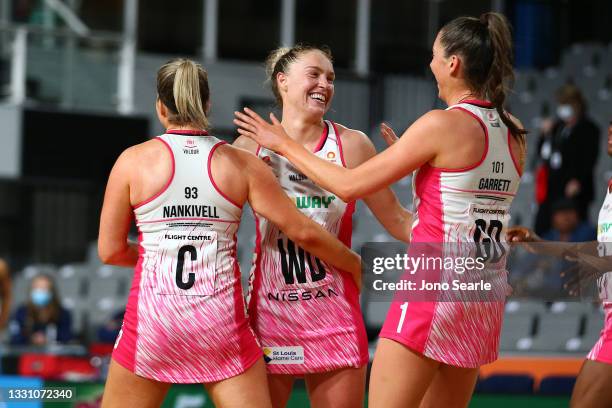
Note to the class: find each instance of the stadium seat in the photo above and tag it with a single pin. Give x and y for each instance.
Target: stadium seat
(557, 385)
(555, 330)
(574, 308)
(516, 327)
(32, 270)
(21, 287)
(525, 307)
(592, 330)
(81, 270)
(103, 290)
(506, 384)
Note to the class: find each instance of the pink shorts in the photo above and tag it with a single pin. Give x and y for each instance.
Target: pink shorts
(461, 334)
(602, 350)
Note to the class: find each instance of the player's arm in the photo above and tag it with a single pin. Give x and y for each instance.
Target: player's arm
(5, 293)
(417, 146)
(268, 199)
(116, 217)
(535, 244)
(384, 203)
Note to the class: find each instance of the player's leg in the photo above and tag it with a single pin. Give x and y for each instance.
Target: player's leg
(280, 387)
(343, 388)
(249, 389)
(592, 387)
(451, 387)
(399, 377)
(125, 389)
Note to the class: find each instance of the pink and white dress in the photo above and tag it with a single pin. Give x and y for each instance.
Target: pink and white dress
(185, 319)
(306, 313)
(602, 350)
(469, 205)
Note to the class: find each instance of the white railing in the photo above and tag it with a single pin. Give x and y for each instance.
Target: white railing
(67, 56)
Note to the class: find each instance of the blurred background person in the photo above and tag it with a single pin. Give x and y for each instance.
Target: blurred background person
(42, 320)
(567, 152)
(567, 224)
(540, 276)
(109, 330)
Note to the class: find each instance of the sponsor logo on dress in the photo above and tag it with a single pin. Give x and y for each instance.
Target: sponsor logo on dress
(297, 177)
(190, 147)
(492, 119)
(284, 355)
(313, 201)
(297, 296)
(605, 227)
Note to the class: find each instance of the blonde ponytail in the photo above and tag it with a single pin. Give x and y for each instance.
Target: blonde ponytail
(182, 86)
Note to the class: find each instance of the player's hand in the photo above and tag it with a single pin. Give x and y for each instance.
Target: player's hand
(583, 273)
(270, 135)
(521, 234)
(388, 134)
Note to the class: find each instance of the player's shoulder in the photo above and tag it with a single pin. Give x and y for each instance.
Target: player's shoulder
(151, 150)
(235, 155)
(351, 137)
(441, 117)
(246, 143)
(440, 121)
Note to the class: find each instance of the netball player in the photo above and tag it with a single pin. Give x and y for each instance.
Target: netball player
(592, 387)
(468, 161)
(185, 320)
(322, 308)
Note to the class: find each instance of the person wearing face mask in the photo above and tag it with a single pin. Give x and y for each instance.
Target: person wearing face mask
(42, 320)
(567, 150)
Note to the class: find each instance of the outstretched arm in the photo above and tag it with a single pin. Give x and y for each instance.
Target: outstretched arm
(415, 148)
(537, 245)
(385, 206)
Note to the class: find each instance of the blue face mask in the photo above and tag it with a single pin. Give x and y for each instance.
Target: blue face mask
(41, 297)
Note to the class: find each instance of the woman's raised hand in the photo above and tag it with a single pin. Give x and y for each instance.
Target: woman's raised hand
(521, 234)
(269, 135)
(388, 134)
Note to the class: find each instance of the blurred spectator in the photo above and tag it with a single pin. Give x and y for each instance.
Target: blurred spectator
(108, 332)
(567, 225)
(539, 276)
(42, 320)
(567, 149)
(5, 294)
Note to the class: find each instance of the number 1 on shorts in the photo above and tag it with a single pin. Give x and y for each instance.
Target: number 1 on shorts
(404, 308)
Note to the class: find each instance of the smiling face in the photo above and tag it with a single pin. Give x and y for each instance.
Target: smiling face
(308, 84)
